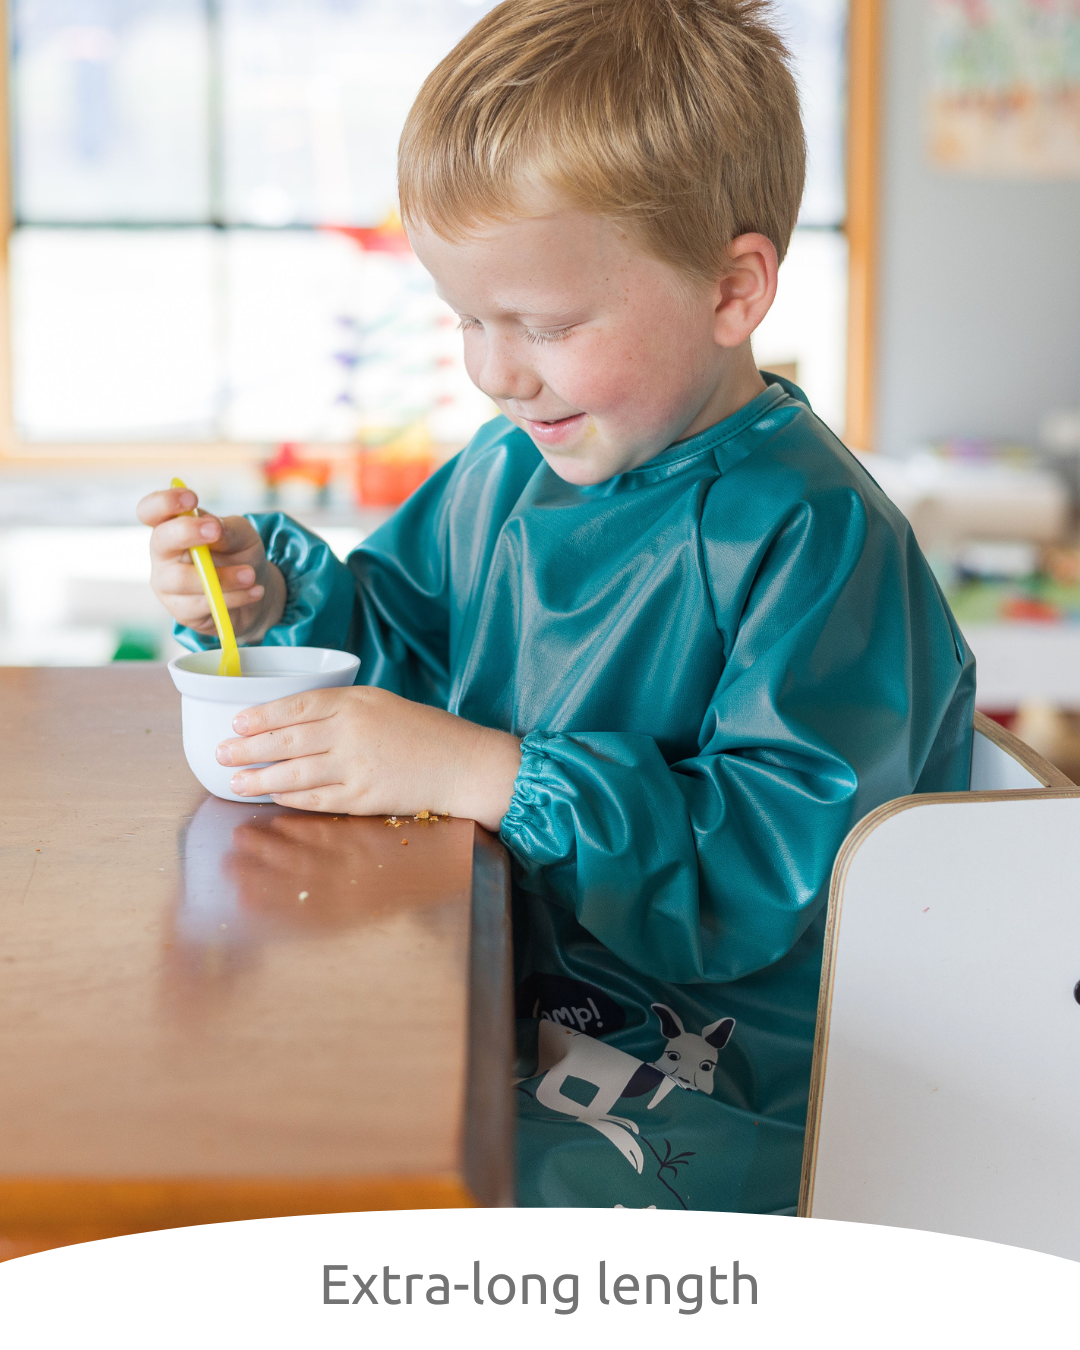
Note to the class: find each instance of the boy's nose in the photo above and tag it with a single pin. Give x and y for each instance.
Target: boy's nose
(504, 376)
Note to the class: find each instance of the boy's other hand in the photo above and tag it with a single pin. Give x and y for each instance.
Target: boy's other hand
(254, 589)
(365, 752)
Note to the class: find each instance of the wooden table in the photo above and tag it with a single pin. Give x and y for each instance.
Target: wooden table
(213, 1011)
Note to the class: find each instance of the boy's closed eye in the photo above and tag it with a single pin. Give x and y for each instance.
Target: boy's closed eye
(467, 323)
(553, 335)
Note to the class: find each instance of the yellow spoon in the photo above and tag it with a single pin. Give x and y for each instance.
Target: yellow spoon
(204, 565)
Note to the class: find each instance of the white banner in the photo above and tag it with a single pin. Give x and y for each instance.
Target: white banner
(525, 1278)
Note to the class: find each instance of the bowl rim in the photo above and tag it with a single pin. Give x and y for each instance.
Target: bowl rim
(241, 691)
(337, 667)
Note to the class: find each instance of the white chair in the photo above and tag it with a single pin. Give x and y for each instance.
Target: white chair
(946, 1082)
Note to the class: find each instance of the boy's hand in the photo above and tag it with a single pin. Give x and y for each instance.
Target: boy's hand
(254, 589)
(366, 752)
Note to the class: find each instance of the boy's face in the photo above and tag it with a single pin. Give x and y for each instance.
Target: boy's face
(602, 353)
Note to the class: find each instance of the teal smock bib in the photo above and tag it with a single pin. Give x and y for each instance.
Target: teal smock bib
(718, 662)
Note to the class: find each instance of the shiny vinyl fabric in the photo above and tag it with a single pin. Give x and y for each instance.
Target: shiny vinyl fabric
(718, 662)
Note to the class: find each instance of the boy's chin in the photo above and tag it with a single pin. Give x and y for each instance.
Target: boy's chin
(580, 471)
(585, 469)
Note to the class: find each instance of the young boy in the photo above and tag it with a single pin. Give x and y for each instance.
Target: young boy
(654, 624)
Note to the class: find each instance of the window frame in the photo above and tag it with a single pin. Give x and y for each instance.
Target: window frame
(862, 223)
(861, 229)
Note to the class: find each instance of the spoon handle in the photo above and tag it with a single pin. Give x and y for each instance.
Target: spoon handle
(204, 565)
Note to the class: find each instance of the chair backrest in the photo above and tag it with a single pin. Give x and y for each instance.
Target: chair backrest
(946, 1085)
(1001, 761)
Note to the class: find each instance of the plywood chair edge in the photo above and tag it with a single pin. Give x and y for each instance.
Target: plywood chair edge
(1048, 774)
(1058, 787)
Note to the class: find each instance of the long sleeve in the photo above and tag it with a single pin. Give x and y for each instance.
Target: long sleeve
(417, 576)
(841, 668)
(400, 625)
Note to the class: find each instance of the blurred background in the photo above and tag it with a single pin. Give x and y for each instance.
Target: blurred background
(206, 276)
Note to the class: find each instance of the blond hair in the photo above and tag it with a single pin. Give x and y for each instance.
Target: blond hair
(677, 118)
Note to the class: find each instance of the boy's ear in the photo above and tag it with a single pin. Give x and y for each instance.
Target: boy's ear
(746, 290)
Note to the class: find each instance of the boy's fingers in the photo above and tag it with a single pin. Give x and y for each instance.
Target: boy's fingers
(291, 775)
(235, 600)
(289, 742)
(325, 799)
(235, 581)
(182, 533)
(188, 609)
(157, 507)
(311, 706)
(237, 578)
(178, 577)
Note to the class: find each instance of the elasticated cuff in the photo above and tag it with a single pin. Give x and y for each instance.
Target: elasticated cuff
(529, 829)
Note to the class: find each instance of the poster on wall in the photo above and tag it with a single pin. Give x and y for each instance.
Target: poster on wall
(1004, 96)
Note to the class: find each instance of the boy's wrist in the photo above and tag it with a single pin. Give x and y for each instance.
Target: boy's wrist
(486, 785)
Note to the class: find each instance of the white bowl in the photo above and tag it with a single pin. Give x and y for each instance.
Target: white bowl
(209, 701)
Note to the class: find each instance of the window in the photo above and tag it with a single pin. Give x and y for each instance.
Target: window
(805, 333)
(200, 250)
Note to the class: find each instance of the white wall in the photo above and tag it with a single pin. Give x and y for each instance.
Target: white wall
(979, 290)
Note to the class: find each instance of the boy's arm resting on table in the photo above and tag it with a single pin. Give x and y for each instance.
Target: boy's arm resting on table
(842, 680)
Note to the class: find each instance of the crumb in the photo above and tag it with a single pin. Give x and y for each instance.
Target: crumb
(303, 895)
(404, 841)
(380, 864)
(423, 815)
